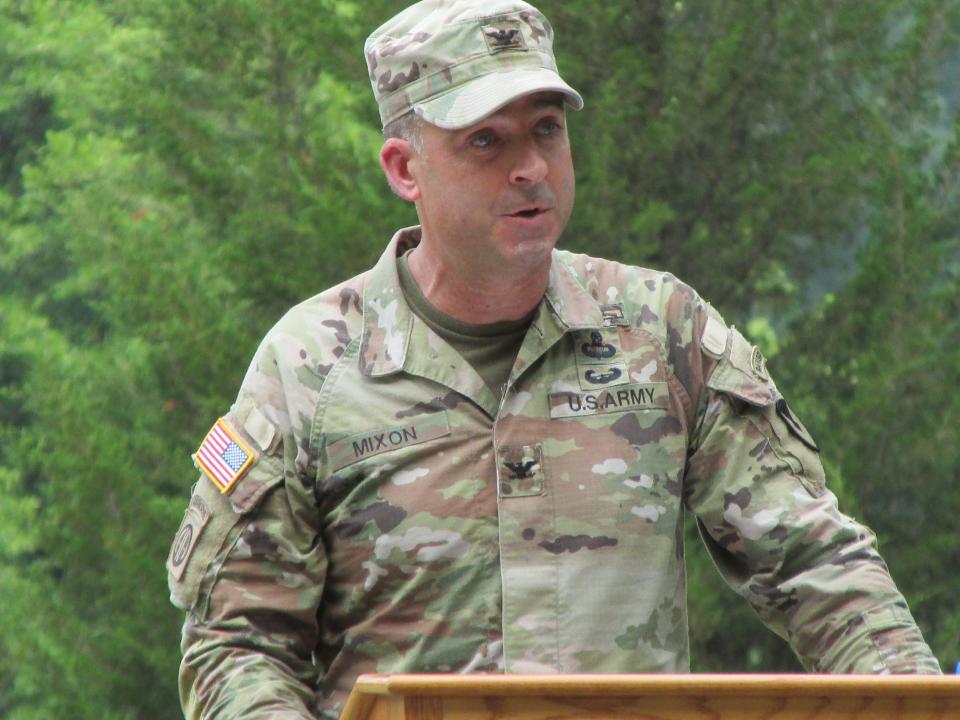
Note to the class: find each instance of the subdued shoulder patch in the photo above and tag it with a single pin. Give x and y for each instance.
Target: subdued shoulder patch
(796, 428)
(194, 519)
(758, 363)
(714, 338)
(223, 456)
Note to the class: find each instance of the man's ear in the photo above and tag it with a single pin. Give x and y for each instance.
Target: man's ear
(396, 157)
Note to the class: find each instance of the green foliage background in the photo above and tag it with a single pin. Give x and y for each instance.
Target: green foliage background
(175, 173)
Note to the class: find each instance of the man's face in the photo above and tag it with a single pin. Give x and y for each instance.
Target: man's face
(500, 191)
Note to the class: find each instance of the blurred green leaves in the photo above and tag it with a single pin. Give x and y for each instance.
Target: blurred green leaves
(174, 174)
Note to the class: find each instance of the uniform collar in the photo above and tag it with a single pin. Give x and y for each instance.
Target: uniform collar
(388, 318)
(569, 301)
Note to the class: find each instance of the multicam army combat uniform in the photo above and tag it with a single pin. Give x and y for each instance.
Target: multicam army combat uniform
(397, 517)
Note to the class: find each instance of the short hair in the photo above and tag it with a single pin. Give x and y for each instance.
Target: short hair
(409, 127)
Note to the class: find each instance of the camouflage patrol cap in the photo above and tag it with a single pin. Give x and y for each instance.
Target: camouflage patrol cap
(455, 62)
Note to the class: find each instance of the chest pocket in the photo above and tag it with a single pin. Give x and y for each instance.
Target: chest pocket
(613, 461)
(210, 526)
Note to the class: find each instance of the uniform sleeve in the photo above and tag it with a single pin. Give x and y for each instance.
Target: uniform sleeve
(756, 486)
(250, 572)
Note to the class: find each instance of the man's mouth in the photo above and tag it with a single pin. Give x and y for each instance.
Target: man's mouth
(528, 213)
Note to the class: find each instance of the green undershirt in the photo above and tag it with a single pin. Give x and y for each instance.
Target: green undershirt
(491, 349)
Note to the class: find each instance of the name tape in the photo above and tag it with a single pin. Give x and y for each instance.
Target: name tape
(622, 398)
(374, 442)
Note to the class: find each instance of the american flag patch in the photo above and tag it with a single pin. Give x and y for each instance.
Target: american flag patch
(223, 456)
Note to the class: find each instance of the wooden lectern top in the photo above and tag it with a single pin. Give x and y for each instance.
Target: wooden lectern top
(654, 697)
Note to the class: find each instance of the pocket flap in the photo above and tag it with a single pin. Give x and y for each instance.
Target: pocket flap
(742, 373)
(250, 490)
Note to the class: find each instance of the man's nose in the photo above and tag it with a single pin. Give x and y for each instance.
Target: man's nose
(529, 167)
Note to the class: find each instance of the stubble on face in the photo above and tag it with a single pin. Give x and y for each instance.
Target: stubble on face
(495, 197)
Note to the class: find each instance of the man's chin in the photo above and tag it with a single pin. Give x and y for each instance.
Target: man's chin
(524, 234)
(529, 253)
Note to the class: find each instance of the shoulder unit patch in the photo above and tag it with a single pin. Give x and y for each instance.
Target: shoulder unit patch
(223, 456)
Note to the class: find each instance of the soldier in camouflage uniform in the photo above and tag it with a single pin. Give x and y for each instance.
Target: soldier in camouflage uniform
(415, 478)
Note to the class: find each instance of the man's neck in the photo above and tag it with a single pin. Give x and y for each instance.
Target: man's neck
(481, 297)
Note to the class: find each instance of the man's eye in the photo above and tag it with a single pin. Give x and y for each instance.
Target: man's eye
(482, 141)
(548, 127)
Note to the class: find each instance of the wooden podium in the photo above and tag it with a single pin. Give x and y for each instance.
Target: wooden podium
(654, 697)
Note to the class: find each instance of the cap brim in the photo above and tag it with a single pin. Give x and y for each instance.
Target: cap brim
(469, 103)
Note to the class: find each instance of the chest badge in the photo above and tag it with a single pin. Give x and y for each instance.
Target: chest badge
(603, 376)
(599, 361)
(597, 349)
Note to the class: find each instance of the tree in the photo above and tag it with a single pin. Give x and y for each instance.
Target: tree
(174, 175)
